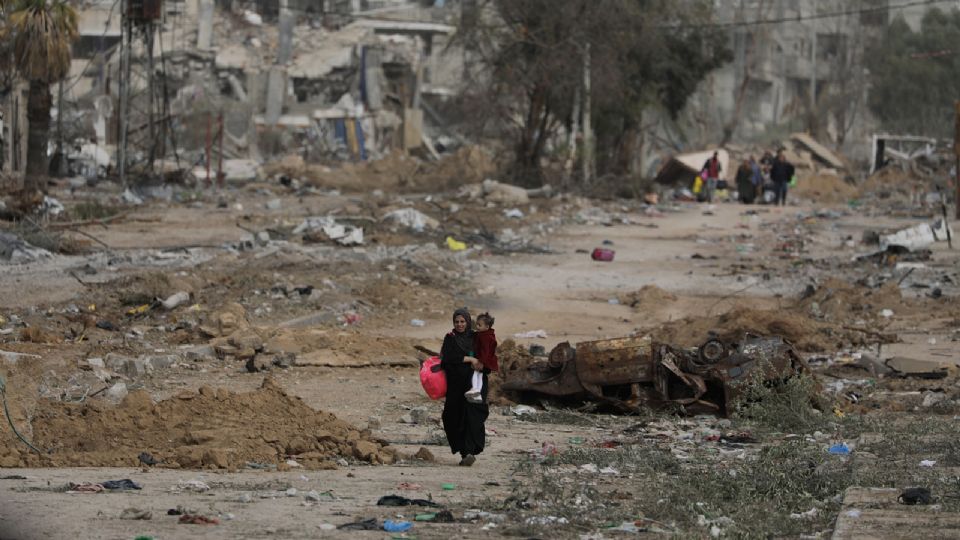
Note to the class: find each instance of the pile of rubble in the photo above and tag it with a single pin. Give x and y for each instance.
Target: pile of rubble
(211, 428)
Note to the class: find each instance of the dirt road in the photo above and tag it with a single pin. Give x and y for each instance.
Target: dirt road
(566, 294)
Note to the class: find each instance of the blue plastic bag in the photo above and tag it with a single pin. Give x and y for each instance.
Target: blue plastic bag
(397, 526)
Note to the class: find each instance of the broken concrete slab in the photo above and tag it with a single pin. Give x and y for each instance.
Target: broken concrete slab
(818, 150)
(916, 237)
(912, 367)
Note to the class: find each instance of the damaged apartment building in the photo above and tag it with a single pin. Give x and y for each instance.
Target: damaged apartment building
(214, 88)
(804, 73)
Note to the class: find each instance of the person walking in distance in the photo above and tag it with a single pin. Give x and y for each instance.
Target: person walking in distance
(780, 174)
(713, 169)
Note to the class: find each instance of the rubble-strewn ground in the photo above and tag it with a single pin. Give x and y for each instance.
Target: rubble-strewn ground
(341, 419)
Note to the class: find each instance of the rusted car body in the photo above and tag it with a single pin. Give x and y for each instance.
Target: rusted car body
(629, 372)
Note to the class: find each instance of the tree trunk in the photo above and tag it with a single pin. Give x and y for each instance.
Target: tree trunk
(528, 147)
(38, 118)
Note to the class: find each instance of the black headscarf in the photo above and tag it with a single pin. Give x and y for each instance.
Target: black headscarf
(464, 339)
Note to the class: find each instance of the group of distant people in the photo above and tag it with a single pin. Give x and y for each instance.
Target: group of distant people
(773, 173)
(770, 172)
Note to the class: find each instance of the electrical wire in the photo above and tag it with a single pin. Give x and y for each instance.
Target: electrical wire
(815, 16)
(6, 411)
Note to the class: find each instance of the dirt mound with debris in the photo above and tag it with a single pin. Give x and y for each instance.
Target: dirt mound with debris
(825, 188)
(841, 302)
(398, 172)
(649, 296)
(892, 183)
(805, 333)
(212, 428)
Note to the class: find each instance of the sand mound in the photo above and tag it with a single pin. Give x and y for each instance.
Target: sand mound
(805, 333)
(212, 428)
(649, 296)
(398, 172)
(891, 182)
(825, 188)
(842, 302)
(824, 320)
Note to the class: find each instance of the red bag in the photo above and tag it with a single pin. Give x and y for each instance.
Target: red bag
(602, 254)
(433, 378)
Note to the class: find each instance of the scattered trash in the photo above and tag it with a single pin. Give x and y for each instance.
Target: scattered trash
(809, 514)
(412, 219)
(197, 519)
(125, 484)
(915, 495)
(575, 440)
(546, 520)
(521, 410)
(852, 513)
(84, 487)
(514, 213)
(839, 449)
(135, 513)
(397, 500)
(602, 254)
(409, 486)
(346, 235)
(365, 525)
(886, 313)
(417, 322)
(397, 526)
(192, 485)
(928, 463)
(448, 487)
(532, 334)
(455, 245)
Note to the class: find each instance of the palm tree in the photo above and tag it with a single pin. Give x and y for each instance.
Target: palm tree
(39, 33)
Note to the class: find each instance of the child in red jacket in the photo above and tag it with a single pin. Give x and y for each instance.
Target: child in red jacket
(485, 350)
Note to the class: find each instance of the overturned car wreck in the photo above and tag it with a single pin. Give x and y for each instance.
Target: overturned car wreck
(629, 372)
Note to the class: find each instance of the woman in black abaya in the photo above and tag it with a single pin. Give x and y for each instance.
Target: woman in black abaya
(463, 422)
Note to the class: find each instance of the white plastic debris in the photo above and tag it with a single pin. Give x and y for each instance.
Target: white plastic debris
(809, 514)
(192, 485)
(514, 213)
(546, 520)
(411, 218)
(130, 197)
(928, 463)
(176, 300)
(886, 313)
(417, 322)
(252, 18)
(520, 410)
(532, 334)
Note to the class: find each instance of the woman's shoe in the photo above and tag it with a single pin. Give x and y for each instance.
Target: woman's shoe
(467, 460)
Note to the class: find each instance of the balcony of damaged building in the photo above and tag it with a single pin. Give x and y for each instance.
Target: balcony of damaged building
(223, 93)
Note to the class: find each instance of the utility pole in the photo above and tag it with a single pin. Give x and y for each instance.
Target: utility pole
(62, 159)
(588, 168)
(813, 70)
(124, 80)
(956, 163)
